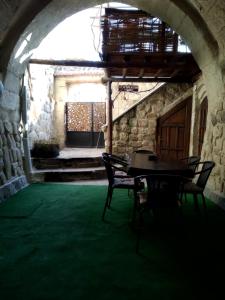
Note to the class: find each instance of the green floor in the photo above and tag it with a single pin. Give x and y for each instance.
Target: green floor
(53, 245)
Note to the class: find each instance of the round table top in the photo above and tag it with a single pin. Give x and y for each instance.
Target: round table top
(141, 164)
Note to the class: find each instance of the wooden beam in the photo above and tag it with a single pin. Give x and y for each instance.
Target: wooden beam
(174, 73)
(178, 79)
(158, 72)
(109, 117)
(124, 72)
(111, 64)
(141, 73)
(124, 65)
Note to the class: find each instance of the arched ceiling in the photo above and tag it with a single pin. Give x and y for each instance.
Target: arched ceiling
(35, 19)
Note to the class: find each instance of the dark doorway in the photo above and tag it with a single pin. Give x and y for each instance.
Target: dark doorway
(83, 124)
(202, 124)
(173, 132)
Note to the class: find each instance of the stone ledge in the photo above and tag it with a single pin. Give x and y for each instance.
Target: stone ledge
(12, 187)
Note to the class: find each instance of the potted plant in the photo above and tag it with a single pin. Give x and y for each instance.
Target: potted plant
(45, 149)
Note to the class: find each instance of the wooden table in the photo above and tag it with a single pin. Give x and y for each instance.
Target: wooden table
(141, 165)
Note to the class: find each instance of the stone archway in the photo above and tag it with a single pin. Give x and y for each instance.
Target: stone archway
(186, 20)
(183, 18)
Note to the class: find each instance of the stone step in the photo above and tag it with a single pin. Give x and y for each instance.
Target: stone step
(68, 175)
(66, 163)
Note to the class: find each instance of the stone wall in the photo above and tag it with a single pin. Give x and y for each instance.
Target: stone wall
(136, 128)
(11, 164)
(40, 103)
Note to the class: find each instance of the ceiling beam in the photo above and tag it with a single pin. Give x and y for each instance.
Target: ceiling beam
(109, 64)
(179, 79)
(141, 73)
(174, 73)
(158, 73)
(124, 72)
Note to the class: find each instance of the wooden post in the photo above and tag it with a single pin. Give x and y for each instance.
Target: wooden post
(109, 117)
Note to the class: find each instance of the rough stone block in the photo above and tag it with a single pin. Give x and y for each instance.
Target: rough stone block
(218, 131)
(15, 127)
(124, 121)
(2, 178)
(125, 127)
(124, 137)
(8, 127)
(7, 162)
(142, 122)
(134, 138)
(2, 129)
(10, 101)
(12, 82)
(134, 130)
(133, 122)
(141, 114)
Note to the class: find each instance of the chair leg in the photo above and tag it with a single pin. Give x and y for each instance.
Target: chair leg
(105, 206)
(110, 197)
(107, 202)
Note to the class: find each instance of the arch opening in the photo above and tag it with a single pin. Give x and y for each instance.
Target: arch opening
(183, 17)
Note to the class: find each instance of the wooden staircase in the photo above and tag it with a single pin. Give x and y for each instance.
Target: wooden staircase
(67, 169)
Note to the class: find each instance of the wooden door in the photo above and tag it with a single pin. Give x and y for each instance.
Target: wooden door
(173, 132)
(202, 124)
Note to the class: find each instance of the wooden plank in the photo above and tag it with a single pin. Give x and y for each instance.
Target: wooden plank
(153, 61)
(141, 73)
(180, 79)
(124, 72)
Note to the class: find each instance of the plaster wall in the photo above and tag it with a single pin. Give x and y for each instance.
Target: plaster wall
(73, 88)
(124, 100)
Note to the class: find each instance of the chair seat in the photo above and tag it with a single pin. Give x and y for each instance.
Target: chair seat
(123, 182)
(121, 174)
(191, 187)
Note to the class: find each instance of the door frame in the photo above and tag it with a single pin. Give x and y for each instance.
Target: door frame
(203, 114)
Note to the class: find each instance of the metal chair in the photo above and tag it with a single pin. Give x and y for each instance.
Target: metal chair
(119, 164)
(197, 188)
(191, 162)
(162, 195)
(115, 181)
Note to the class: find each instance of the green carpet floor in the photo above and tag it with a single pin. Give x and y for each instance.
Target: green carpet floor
(60, 249)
